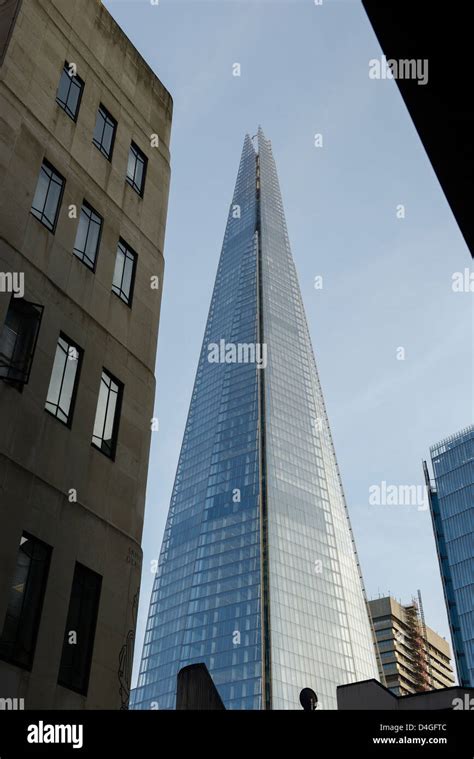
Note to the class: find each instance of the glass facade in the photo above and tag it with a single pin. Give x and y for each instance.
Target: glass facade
(319, 629)
(452, 510)
(258, 576)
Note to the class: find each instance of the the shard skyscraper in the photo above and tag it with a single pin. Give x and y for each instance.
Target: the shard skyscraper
(258, 575)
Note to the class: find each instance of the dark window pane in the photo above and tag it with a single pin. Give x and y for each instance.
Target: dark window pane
(64, 378)
(69, 92)
(48, 194)
(107, 414)
(124, 272)
(136, 168)
(88, 233)
(18, 340)
(80, 629)
(27, 589)
(104, 132)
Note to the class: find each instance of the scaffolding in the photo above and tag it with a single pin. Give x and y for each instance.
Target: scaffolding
(418, 641)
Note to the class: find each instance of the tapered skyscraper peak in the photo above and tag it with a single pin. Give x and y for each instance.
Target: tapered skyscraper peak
(258, 576)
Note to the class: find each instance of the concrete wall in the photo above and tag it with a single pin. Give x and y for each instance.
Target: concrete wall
(370, 695)
(41, 459)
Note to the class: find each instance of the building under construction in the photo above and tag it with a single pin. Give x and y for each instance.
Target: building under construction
(412, 657)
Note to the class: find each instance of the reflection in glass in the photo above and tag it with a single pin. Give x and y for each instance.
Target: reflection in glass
(107, 414)
(124, 272)
(48, 194)
(69, 92)
(88, 233)
(64, 378)
(25, 601)
(104, 132)
(136, 168)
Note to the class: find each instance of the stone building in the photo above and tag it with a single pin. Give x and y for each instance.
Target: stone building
(84, 177)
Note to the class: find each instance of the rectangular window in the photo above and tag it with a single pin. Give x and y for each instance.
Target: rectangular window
(18, 340)
(70, 91)
(25, 602)
(107, 415)
(124, 273)
(64, 379)
(86, 245)
(78, 645)
(104, 132)
(48, 195)
(136, 169)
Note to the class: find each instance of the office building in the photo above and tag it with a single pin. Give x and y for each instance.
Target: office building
(451, 497)
(412, 656)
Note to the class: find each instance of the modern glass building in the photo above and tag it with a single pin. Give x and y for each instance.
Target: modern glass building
(452, 512)
(258, 575)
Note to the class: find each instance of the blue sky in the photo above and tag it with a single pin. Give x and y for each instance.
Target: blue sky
(387, 281)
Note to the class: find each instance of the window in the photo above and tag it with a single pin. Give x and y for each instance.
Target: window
(124, 274)
(25, 602)
(88, 233)
(70, 91)
(107, 414)
(136, 169)
(104, 132)
(64, 378)
(18, 340)
(48, 195)
(76, 657)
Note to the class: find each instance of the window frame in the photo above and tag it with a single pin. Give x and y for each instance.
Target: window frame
(15, 382)
(70, 344)
(131, 182)
(82, 258)
(64, 107)
(99, 147)
(130, 250)
(11, 659)
(41, 217)
(61, 679)
(117, 416)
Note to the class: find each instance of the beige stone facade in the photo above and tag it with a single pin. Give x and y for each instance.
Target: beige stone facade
(43, 461)
(412, 659)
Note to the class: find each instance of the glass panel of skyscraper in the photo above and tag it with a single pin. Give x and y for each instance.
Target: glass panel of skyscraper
(452, 508)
